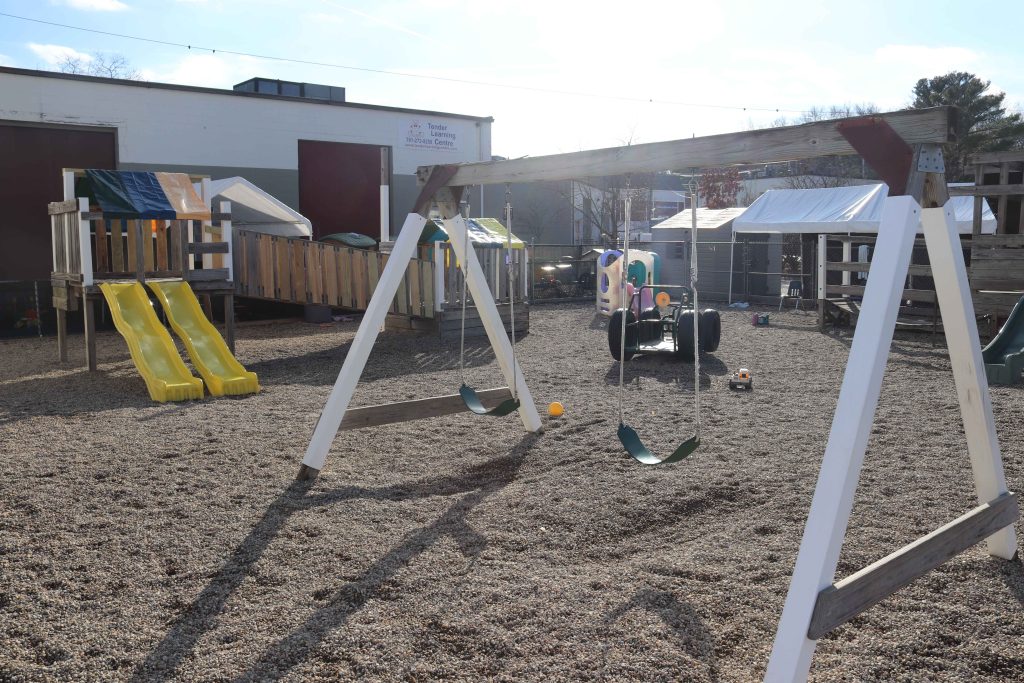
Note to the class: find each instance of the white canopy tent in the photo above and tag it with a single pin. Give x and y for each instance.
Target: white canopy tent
(844, 210)
(255, 209)
(853, 209)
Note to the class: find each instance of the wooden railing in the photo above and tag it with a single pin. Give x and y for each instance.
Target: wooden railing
(848, 265)
(492, 262)
(89, 247)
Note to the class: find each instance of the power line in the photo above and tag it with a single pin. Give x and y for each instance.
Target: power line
(306, 62)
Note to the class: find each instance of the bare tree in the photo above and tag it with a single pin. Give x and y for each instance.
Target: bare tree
(100, 64)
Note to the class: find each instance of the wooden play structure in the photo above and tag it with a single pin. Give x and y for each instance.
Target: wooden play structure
(90, 249)
(905, 149)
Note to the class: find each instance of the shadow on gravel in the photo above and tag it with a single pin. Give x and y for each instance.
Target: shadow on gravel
(667, 371)
(1013, 575)
(198, 618)
(694, 637)
(321, 368)
(77, 393)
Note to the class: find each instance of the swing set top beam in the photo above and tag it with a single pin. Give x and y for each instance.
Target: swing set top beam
(768, 145)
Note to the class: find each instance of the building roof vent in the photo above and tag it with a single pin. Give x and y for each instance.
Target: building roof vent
(309, 91)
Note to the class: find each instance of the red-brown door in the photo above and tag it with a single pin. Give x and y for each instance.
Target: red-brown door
(339, 187)
(31, 159)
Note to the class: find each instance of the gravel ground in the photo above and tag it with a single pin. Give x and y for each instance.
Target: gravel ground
(168, 542)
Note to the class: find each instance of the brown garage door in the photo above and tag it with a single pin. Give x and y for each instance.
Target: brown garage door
(339, 187)
(30, 177)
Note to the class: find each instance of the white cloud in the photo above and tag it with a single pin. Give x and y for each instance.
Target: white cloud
(55, 54)
(6, 61)
(926, 59)
(204, 70)
(97, 5)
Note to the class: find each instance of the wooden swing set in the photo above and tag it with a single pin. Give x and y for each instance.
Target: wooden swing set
(904, 149)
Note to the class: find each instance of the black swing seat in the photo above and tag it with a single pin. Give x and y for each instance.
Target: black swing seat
(473, 402)
(636, 448)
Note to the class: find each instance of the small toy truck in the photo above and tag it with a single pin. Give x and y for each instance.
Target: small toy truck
(741, 379)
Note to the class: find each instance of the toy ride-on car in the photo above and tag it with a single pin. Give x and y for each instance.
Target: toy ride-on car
(741, 379)
(665, 328)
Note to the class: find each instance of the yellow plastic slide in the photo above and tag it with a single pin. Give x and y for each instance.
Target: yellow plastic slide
(223, 374)
(152, 348)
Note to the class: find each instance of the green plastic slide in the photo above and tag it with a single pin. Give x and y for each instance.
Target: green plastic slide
(1004, 355)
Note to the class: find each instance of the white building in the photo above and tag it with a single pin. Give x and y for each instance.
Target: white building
(346, 166)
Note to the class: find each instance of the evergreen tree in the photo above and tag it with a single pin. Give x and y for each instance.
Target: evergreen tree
(983, 125)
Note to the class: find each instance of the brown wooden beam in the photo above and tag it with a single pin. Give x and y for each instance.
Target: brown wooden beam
(768, 145)
(207, 274)
(842, 601)
(998, 157)
(387, 413)
(55, 208)
(208, 248)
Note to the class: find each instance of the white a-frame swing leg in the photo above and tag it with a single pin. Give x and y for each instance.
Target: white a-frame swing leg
(376, 314)
(858, 397)
(484, 302)
(961, 329)
(369, 327)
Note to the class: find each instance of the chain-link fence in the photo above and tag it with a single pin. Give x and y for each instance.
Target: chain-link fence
(754, 270)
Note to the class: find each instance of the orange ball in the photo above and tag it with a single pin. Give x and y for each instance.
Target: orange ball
(556, 409)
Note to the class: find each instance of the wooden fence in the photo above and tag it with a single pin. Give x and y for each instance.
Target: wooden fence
(996, 273)
(298, 271)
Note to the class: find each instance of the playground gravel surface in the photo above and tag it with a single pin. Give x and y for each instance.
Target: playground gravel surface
(149, 542)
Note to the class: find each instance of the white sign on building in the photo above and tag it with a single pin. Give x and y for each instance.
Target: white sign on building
(433, 134)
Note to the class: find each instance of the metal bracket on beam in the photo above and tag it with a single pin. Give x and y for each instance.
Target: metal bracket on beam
(930, 159)
(926, 181)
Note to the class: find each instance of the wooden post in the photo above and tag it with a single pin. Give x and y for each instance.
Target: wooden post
(979, 179)
(822, 271)
(62, 335)
(89, 316)
(439, 252)
(141, 243)
(847, 258)
(229, 320)
(851, 426)
(1004, 179)
(225, 235)
(84, 244)
(385, 195)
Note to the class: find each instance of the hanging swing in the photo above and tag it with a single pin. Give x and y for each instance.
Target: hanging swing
(468, 393)
(627, 435)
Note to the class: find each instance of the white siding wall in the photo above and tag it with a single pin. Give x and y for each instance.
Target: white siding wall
(157, 125)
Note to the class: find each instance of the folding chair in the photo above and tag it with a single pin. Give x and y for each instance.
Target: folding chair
(795, 291)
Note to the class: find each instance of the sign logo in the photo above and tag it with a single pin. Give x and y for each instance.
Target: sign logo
(426, 134)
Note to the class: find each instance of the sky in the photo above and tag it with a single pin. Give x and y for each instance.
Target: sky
(556, 75)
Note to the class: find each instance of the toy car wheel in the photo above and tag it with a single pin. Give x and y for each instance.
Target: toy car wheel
(615, 334)
(684, 335)
(710, 330)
